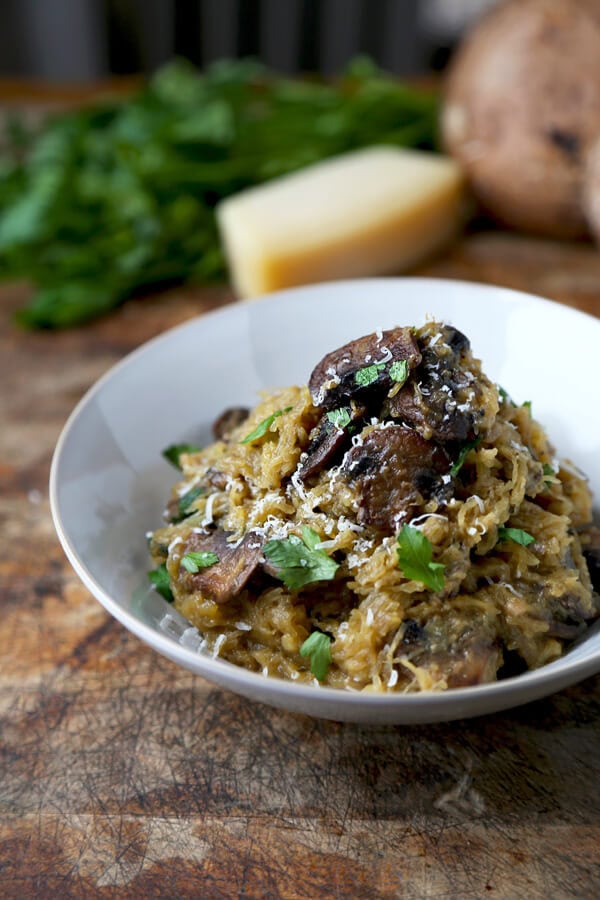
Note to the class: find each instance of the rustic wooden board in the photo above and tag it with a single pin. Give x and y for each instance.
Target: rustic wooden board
(122, 775)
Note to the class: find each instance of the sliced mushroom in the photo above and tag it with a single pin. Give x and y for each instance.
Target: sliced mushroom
(590, 544)
(440, 399)
(395, 470)
(326, 441)
(472, 656)
(333, 381)
(475, 660)
(237, 564)
(216, 479)
(228, 420)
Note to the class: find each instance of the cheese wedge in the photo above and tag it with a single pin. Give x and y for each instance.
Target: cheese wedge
(371, 212)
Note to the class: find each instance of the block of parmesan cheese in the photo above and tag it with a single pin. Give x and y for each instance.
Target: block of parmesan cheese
(371, 212)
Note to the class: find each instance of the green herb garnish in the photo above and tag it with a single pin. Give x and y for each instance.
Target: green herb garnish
(415, 559)
(517, 535)
(504, 394)
(174, 451)
(185, 502)
(399, 371)
(470, 445)
(298, 561)
(196, 560)
(262, 428)
(110, 200)
(365, 377)
(339, 417)
(527, 405)
(161, 581)
(318, 647)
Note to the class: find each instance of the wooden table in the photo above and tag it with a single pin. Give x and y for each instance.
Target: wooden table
(123, 775)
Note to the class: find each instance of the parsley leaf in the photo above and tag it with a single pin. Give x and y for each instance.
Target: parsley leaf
(505, 396)
(119, 198)
(262, 428)
(318, 647)
(161, 581)
(298, 561)
(415, 559)
(184, 503)
(549, 474)
(517, 535)
(470, 445)
(399, 371)
(339, 417)
(196, 560)
(174, 451)
(365, 377)
(527, 405)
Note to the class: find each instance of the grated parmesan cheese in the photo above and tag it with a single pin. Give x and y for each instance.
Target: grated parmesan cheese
(207, 518)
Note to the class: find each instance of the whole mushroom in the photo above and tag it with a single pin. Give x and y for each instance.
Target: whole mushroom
(522, 110)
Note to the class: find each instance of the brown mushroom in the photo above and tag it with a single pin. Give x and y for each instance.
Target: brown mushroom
(440, 399)
(334, 381)
(395, 470)
(237, 563)
(327, 440)
(228, 420)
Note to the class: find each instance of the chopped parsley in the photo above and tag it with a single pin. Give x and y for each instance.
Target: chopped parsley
(505, 396)
(185, 502)
(339, 417)
(196, 560)
(415, 559)
(298, 560)
(527, 405)
(161, 581)
(174, 451)
(470, 445)
(318, 647)
(517, 535)
(262, 428)
(549, 475)
(365, 377)
(399, 371)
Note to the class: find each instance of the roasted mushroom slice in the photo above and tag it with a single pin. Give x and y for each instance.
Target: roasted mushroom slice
(361, 369)
(471, 655)
(441, 398)
(237, 563)
(328, 438)
(590, 545)
(395, 470)
(228, 420)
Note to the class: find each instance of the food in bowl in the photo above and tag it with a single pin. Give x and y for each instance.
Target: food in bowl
(398, 524)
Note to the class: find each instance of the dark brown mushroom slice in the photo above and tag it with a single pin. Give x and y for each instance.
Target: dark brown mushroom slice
(475, 660)
(216, 479)
(333, 383)
(395, 470)
(433, 400)
(228, 420)
(474, 656)
(237, 564)
(565, 631)
(571, 608)
(327, 440)
(590, 545)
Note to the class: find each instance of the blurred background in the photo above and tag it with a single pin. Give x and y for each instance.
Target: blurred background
(83, 40)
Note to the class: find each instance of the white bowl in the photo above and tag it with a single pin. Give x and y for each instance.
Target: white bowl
(108, 483)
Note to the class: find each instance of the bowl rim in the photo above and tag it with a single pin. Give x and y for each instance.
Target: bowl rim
(535, 683)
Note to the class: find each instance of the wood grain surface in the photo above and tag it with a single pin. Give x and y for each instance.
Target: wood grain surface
(122, 775)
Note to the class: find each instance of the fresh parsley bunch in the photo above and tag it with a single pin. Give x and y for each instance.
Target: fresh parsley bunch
(115, 199)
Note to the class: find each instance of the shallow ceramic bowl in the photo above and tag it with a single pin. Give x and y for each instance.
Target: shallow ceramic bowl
(109, 484)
